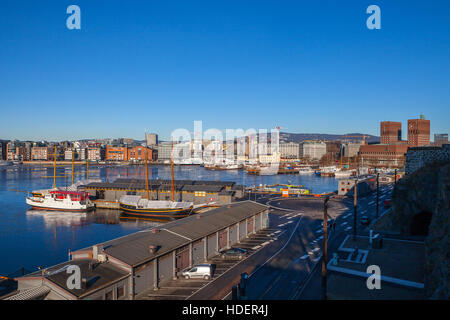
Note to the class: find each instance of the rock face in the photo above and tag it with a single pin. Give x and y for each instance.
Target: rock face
(421, 206)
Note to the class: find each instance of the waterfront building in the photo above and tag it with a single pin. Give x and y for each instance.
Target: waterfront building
(95, 153)
(290, 150)
(2, 151)
(11, 150)
(68, 154)
(138, 153)
(39, 153)
(164, 151)
(116, 153)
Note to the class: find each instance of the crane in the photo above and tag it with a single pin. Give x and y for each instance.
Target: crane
(363, 136)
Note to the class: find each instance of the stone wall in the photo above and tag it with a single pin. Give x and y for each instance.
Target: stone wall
(417, 157)
(427, 190)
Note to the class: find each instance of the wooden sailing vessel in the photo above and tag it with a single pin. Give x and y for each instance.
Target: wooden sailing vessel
(138, 206)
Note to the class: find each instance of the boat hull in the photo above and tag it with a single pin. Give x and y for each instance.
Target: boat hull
(61, 210)
(48, 205)
(160, 214)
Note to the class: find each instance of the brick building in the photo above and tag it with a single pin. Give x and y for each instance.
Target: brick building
(383, 155)
(418, 132)
(138, 153)
(116, 153)
(390, 132)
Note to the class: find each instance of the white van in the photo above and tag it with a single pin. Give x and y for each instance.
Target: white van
(203, 271)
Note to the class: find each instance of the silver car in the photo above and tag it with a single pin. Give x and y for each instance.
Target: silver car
(203, 271)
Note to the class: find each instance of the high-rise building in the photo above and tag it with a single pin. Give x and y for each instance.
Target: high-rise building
(418, 132)
(390, 132)
(152, 139)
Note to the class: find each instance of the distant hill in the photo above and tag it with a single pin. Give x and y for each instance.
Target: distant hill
(299, 137)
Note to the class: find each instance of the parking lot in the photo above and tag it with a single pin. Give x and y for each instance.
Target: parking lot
(181, 289)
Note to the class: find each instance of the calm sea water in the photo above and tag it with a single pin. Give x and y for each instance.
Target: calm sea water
(31, 238)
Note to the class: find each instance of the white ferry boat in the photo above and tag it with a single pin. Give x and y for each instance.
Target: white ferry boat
(59, 200)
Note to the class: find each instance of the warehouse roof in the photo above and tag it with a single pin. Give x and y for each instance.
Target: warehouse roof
(134, 249)
(125, 183)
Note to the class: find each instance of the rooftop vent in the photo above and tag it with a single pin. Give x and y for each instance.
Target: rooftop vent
(155, 230)
(198, 216)
(152, 248)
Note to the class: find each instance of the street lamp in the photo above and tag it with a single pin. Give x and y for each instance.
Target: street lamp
(324, 246)
(378, 192)
(355, 206)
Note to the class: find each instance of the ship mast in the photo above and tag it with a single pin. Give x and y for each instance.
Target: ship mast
(73, 159)
(171, 165)
(54, 169)
(146, 166)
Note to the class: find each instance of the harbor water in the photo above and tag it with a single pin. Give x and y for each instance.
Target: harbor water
(30, 238)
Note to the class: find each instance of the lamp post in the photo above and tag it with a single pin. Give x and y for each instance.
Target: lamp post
(324, 255)
(355, 206)
(378, 192)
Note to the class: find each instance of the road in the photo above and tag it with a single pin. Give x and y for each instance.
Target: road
(294, 272)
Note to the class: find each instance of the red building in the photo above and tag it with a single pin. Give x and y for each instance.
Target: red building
(418, 132)
(138, 153)
(383, 155)
(390, 132)
(116, 153)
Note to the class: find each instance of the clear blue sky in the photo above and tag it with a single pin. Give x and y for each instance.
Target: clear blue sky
(309, 66)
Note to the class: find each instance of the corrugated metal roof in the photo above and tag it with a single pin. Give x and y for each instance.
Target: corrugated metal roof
(30, 294)
(207, 188)
(134, 249)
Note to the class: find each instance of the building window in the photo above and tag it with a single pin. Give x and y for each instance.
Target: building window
(120, 292)
(109, 295)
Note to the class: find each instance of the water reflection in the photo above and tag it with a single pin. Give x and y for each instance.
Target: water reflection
(53, 219)
(59, 218)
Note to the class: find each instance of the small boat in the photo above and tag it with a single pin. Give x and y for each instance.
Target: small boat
(305, 171)
(59, 200)
(159, 209)
(138, 206)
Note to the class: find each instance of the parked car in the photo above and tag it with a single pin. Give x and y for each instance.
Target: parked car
(233, 253)
(202, 271)
(365, 220)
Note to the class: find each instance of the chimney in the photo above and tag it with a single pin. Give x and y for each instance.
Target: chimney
(96, 250)
(198, 216)
(155, 230)
(152, 248)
